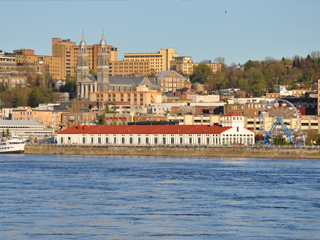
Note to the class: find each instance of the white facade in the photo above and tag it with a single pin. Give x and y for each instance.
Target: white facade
(163, 108)
(204, 98)
(232, 132)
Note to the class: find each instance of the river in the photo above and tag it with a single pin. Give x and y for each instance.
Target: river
(115, 197)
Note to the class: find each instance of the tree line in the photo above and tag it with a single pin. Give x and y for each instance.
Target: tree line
(260, 77)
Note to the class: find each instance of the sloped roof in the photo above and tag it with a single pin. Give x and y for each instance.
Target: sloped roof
(145, 129)
(163, 74)
(81, 129)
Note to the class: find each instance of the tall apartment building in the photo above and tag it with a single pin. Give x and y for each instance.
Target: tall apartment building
(68, 51)
(187, 65)
(159, 61)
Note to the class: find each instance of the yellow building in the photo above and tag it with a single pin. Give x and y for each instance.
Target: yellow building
(159, 61)
(43, 64)
(187, 65)
(131, 98)
(129, 68)
(182, 64)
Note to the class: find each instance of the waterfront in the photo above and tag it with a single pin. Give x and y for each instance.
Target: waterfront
(113, 197)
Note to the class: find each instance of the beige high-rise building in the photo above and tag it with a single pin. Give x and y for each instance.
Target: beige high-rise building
(159, 61)
(68, 52)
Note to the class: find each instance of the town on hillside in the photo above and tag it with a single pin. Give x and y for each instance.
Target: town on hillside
(84, 90)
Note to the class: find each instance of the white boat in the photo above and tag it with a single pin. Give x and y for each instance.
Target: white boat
(11, 145)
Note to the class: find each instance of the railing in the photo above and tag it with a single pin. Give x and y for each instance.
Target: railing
(181, 145)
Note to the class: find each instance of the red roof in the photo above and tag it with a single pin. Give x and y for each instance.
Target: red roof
(79, 129)
(145, 129)
(232, 115)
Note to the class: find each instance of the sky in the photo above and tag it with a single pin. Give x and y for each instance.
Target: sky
(203, 29)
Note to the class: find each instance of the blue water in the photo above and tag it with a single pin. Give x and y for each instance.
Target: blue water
(110, 197)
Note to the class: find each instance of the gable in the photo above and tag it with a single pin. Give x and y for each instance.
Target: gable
(86, 79)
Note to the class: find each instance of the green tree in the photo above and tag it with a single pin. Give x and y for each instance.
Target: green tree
(70, 84)
(202, 73)
(20, 99)
(251, 64)
(92, 72)
(7, 132)
(3, 134)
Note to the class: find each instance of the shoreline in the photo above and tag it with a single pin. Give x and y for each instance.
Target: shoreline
(175, 151)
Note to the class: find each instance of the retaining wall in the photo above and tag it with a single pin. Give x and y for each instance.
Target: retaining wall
(229, 152)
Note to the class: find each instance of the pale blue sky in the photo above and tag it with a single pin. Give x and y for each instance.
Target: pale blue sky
(198, 28)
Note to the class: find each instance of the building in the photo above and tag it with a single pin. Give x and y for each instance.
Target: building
(67, 52)
(186, 65)
(159, 61)
(25, 58)
(204, 98)
(131, 98)
(170, 81)
(78, 118)
(183, 64)
(7, 64)
(129, 68)
(231, 132)
(26, 128)
(87, 83)
(48, 117)
(12, 81)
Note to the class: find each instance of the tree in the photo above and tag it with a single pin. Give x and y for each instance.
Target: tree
(92, 72)
(152, 73)
(251, 64)
(70, 84)
(20, 99)
(220, 60)
(202, 73)
(3, 134)
(7, 132)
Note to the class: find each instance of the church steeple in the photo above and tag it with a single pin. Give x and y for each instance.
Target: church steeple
(83, 65)
(103, 66)
(103, 44)
(83, 45)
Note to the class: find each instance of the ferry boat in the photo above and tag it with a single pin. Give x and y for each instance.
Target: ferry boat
(11, 145)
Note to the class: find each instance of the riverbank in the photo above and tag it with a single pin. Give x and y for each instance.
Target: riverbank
(229, 152)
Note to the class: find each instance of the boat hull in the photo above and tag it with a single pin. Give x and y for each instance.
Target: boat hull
(13, 152)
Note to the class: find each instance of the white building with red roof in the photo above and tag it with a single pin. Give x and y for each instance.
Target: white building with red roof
(231, 132)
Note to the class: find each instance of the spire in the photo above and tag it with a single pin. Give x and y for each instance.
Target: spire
(83, 45)
(103, 43)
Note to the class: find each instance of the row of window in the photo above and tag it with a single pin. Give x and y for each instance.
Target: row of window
(164, 140)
